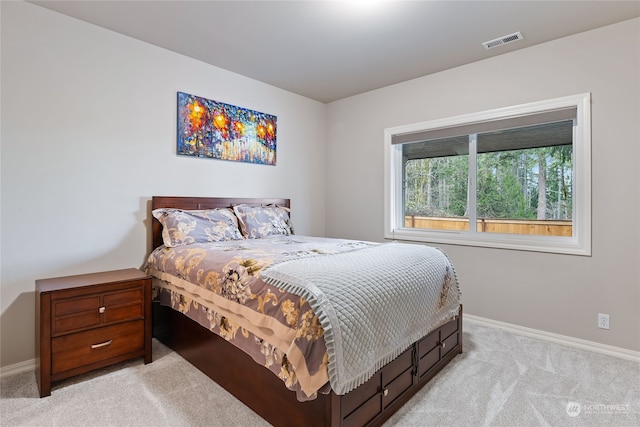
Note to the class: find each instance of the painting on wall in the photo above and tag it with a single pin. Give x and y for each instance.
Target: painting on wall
(216, 130)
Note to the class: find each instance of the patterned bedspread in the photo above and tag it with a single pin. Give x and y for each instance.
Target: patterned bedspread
(219, 285)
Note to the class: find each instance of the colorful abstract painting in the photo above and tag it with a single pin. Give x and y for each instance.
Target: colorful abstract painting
(216, 130)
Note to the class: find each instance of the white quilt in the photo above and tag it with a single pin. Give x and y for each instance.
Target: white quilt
(373, 303)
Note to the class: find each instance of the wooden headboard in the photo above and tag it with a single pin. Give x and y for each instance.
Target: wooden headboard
(193, 203)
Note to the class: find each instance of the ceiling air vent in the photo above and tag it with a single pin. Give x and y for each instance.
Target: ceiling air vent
(503, 40)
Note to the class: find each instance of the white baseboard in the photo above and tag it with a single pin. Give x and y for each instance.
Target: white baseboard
(609, 350)
(18, 368)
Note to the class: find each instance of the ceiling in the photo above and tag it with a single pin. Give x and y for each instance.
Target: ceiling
(329, 50)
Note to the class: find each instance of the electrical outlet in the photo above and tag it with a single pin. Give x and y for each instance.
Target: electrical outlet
(603, 321)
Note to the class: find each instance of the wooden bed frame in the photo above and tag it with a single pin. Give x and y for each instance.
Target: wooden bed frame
(370, 404)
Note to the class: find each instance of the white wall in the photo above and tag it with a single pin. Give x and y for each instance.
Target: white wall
(556, 293)
(89, 135)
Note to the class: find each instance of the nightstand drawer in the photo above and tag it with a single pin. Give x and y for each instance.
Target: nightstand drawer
(126, 297)
(72, 314)
(80, 313)
(84, 348)
(129, 312)
(125, 305)
(75, 322)
(72, 306)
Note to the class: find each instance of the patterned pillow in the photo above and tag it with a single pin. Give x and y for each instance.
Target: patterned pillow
(199, 226)
(262, 221)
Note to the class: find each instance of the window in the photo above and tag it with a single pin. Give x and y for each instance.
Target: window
(515, 178)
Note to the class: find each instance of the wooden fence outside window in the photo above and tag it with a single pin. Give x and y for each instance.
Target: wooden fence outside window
(506, 226)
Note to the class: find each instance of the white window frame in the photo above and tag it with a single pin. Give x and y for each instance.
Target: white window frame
(578, 244)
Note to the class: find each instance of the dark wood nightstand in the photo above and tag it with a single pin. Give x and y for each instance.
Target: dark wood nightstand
(89, 321)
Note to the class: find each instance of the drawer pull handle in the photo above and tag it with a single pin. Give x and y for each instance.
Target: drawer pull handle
(385, 392)
(442, 344)
(102, 344)
(101, 310)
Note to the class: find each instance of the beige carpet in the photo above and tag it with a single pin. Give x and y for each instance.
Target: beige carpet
(501, 379)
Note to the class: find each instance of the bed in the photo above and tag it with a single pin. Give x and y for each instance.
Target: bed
(253, 377)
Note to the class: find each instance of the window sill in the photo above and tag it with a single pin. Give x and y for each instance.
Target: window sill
(549, 244)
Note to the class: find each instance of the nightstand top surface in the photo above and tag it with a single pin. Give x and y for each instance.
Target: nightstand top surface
(66, 282)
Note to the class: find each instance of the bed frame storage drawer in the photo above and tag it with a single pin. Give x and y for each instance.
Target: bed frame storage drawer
(397, 377)
(398, 366)
(398, 380)
(428, 361)
(438, 344)
(353, 405)
(448, 329)
(449, 343)
(397, 387)
(366, 412)
(380, 391)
